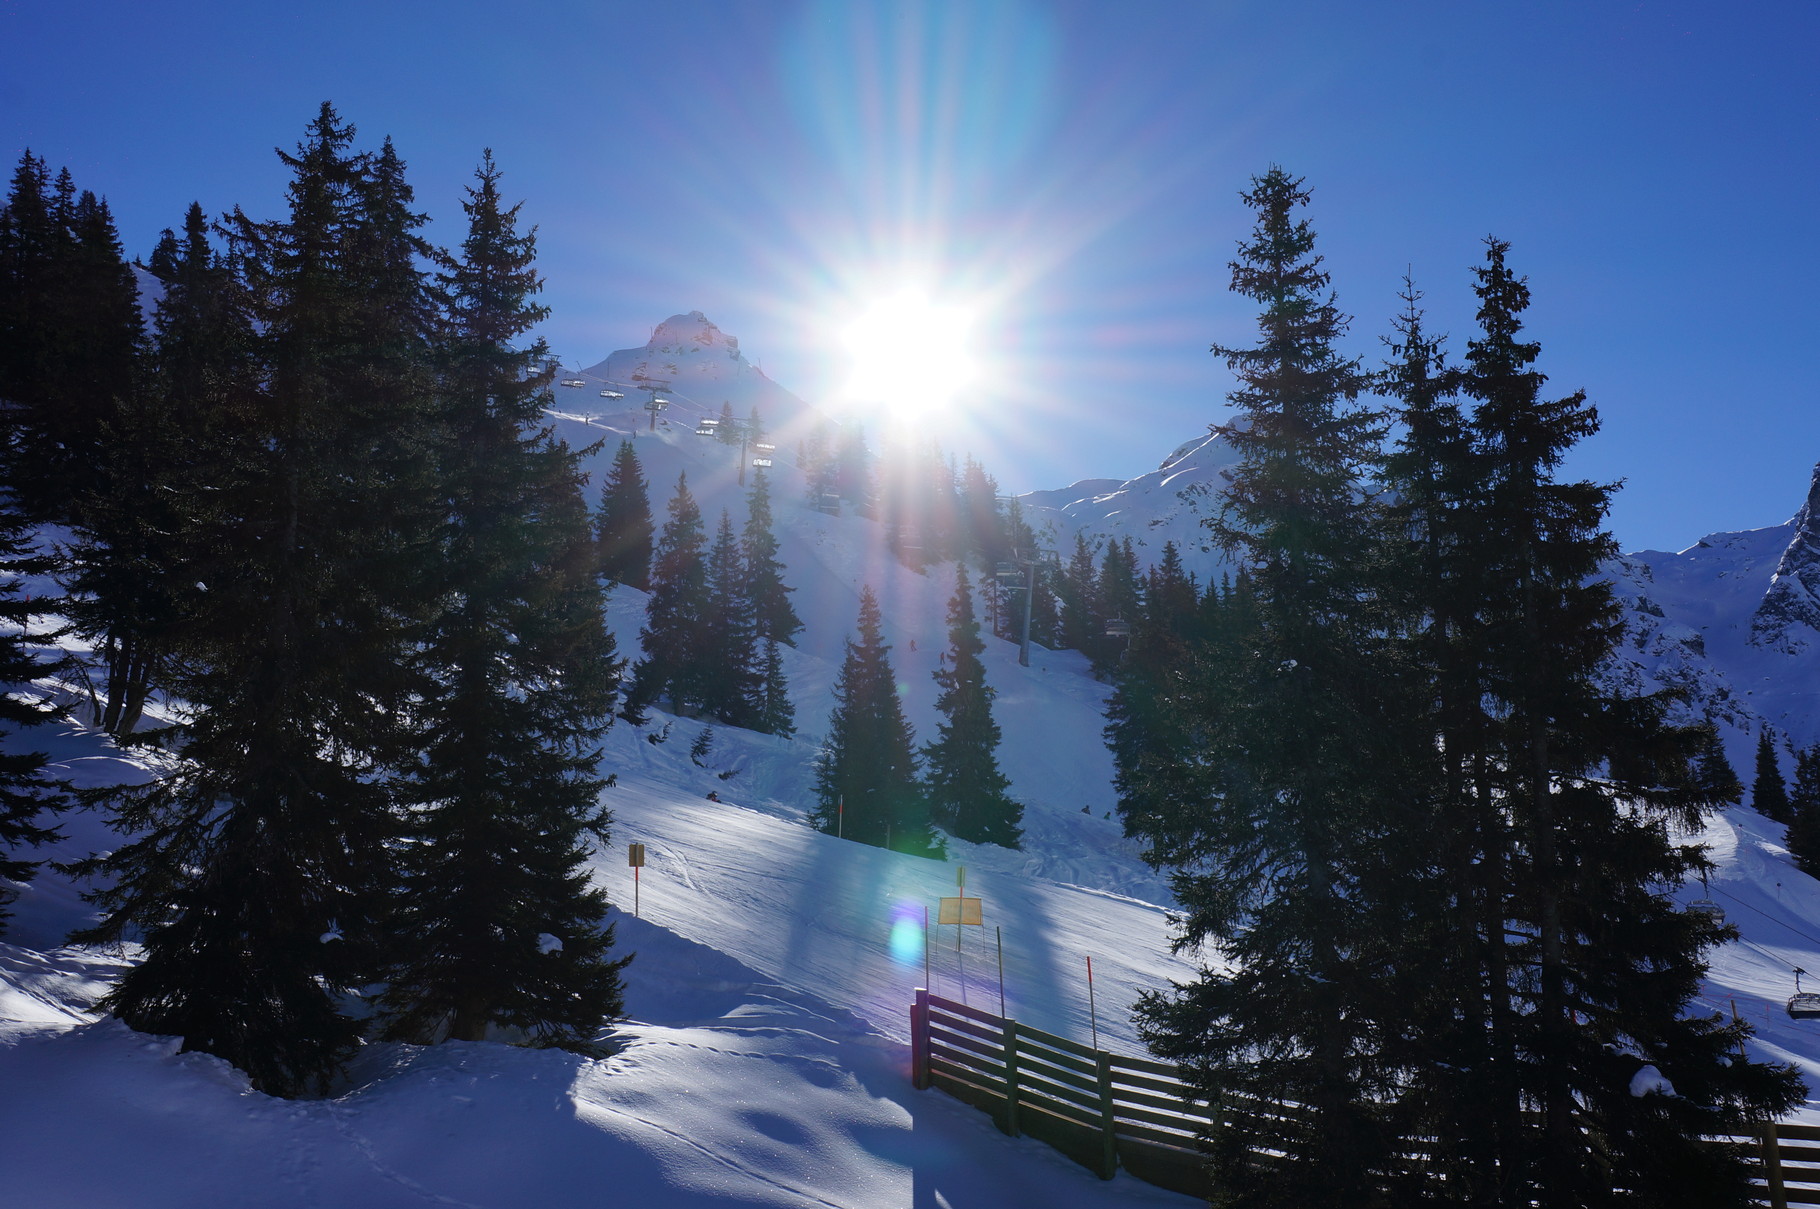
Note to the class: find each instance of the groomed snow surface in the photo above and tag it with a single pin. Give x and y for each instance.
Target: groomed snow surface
(766, 1060)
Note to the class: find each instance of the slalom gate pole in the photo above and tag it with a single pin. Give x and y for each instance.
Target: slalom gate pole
(1093, 1018)
(926, 947)
(1001, 969)
(840, 818)
(635, 892)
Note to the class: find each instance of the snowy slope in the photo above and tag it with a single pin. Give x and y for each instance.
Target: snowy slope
(765, 1062)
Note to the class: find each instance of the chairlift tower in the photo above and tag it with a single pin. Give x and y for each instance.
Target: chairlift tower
(709, 426)
(655, 404)
(1024, 566)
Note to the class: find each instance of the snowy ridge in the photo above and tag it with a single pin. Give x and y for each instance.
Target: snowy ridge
(1788, 619)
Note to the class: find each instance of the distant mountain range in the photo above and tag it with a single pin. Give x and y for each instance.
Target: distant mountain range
(1733, 620)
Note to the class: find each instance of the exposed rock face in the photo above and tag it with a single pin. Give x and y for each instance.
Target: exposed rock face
(1788, 618)
(701, 368)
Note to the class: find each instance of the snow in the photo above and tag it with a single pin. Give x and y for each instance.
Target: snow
(765, 1060)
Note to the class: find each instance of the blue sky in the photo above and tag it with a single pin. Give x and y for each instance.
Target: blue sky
(1071, 170)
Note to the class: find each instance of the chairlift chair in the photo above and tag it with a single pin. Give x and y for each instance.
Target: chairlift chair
(704, 430)
(574, 382)
(762, 463)
(1706, 906)
(611, 394)
(763, 447)
(1118, 627)
(1803, 1005)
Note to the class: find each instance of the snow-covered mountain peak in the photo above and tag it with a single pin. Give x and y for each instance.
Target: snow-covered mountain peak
(695, 363)
(1787, 620)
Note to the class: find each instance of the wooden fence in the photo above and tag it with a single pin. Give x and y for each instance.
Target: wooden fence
(1107, 1111)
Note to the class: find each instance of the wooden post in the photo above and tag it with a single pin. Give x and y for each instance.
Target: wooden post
(919, 1040)
(1772, 1167)
(1008, 1038)
(1109, 1142)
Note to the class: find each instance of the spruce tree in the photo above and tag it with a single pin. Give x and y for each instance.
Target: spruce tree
(776, 713)
(1803, 838)
(727, 658)
(1768, 791)
(1153, 719)
(27, 793)
(676, 616)
(865, 776)
(1714, 775)
(966, 791)
(1079, 613)
(623, 525)
(256, 871)
(1566, 966)
(1289, 857)
(168, 448)
(497, 924)
(776, 619)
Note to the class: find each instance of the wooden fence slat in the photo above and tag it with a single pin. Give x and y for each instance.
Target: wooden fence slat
(953, 1057)
(1063, 1061)
(1087, 1100)
(1131, 1129)
(1167, 1070)
(1173, 1120)
(989, 1050)
(1123, 1096)
(1084, 1115)
(955, 1008)
(1060, 1074)
(955, 1024)
(1168, 1087)
(1060, 1043)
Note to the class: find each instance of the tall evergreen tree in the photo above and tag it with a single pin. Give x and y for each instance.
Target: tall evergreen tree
(865, 776)
(1768, 791)
(966, 791)
(677, 614)
(498, 925)
(169, 446)
(623, 524)
(727, 658)
(1288, 887)
(1078, 615)
(1714, 775)
(764, 574)
(1804, 808)
(272, 832)
(27, 792)
(1566, 966)
(776, 713)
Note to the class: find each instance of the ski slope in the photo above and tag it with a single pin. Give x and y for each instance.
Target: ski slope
(765, 1062)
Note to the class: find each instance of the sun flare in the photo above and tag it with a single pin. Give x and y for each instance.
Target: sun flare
(910, 354)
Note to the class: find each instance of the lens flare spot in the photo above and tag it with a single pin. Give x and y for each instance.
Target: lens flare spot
(906, 935)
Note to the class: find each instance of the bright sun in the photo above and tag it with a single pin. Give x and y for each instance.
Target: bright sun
(910, 354)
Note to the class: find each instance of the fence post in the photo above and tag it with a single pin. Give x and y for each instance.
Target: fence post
(919, 1040)
(1008, 1038)
(1772, 1167)
(1109, 1143)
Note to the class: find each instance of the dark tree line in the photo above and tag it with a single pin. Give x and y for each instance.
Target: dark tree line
(1422, 853)
(317, 504)
(717, 613)
(870, 784)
